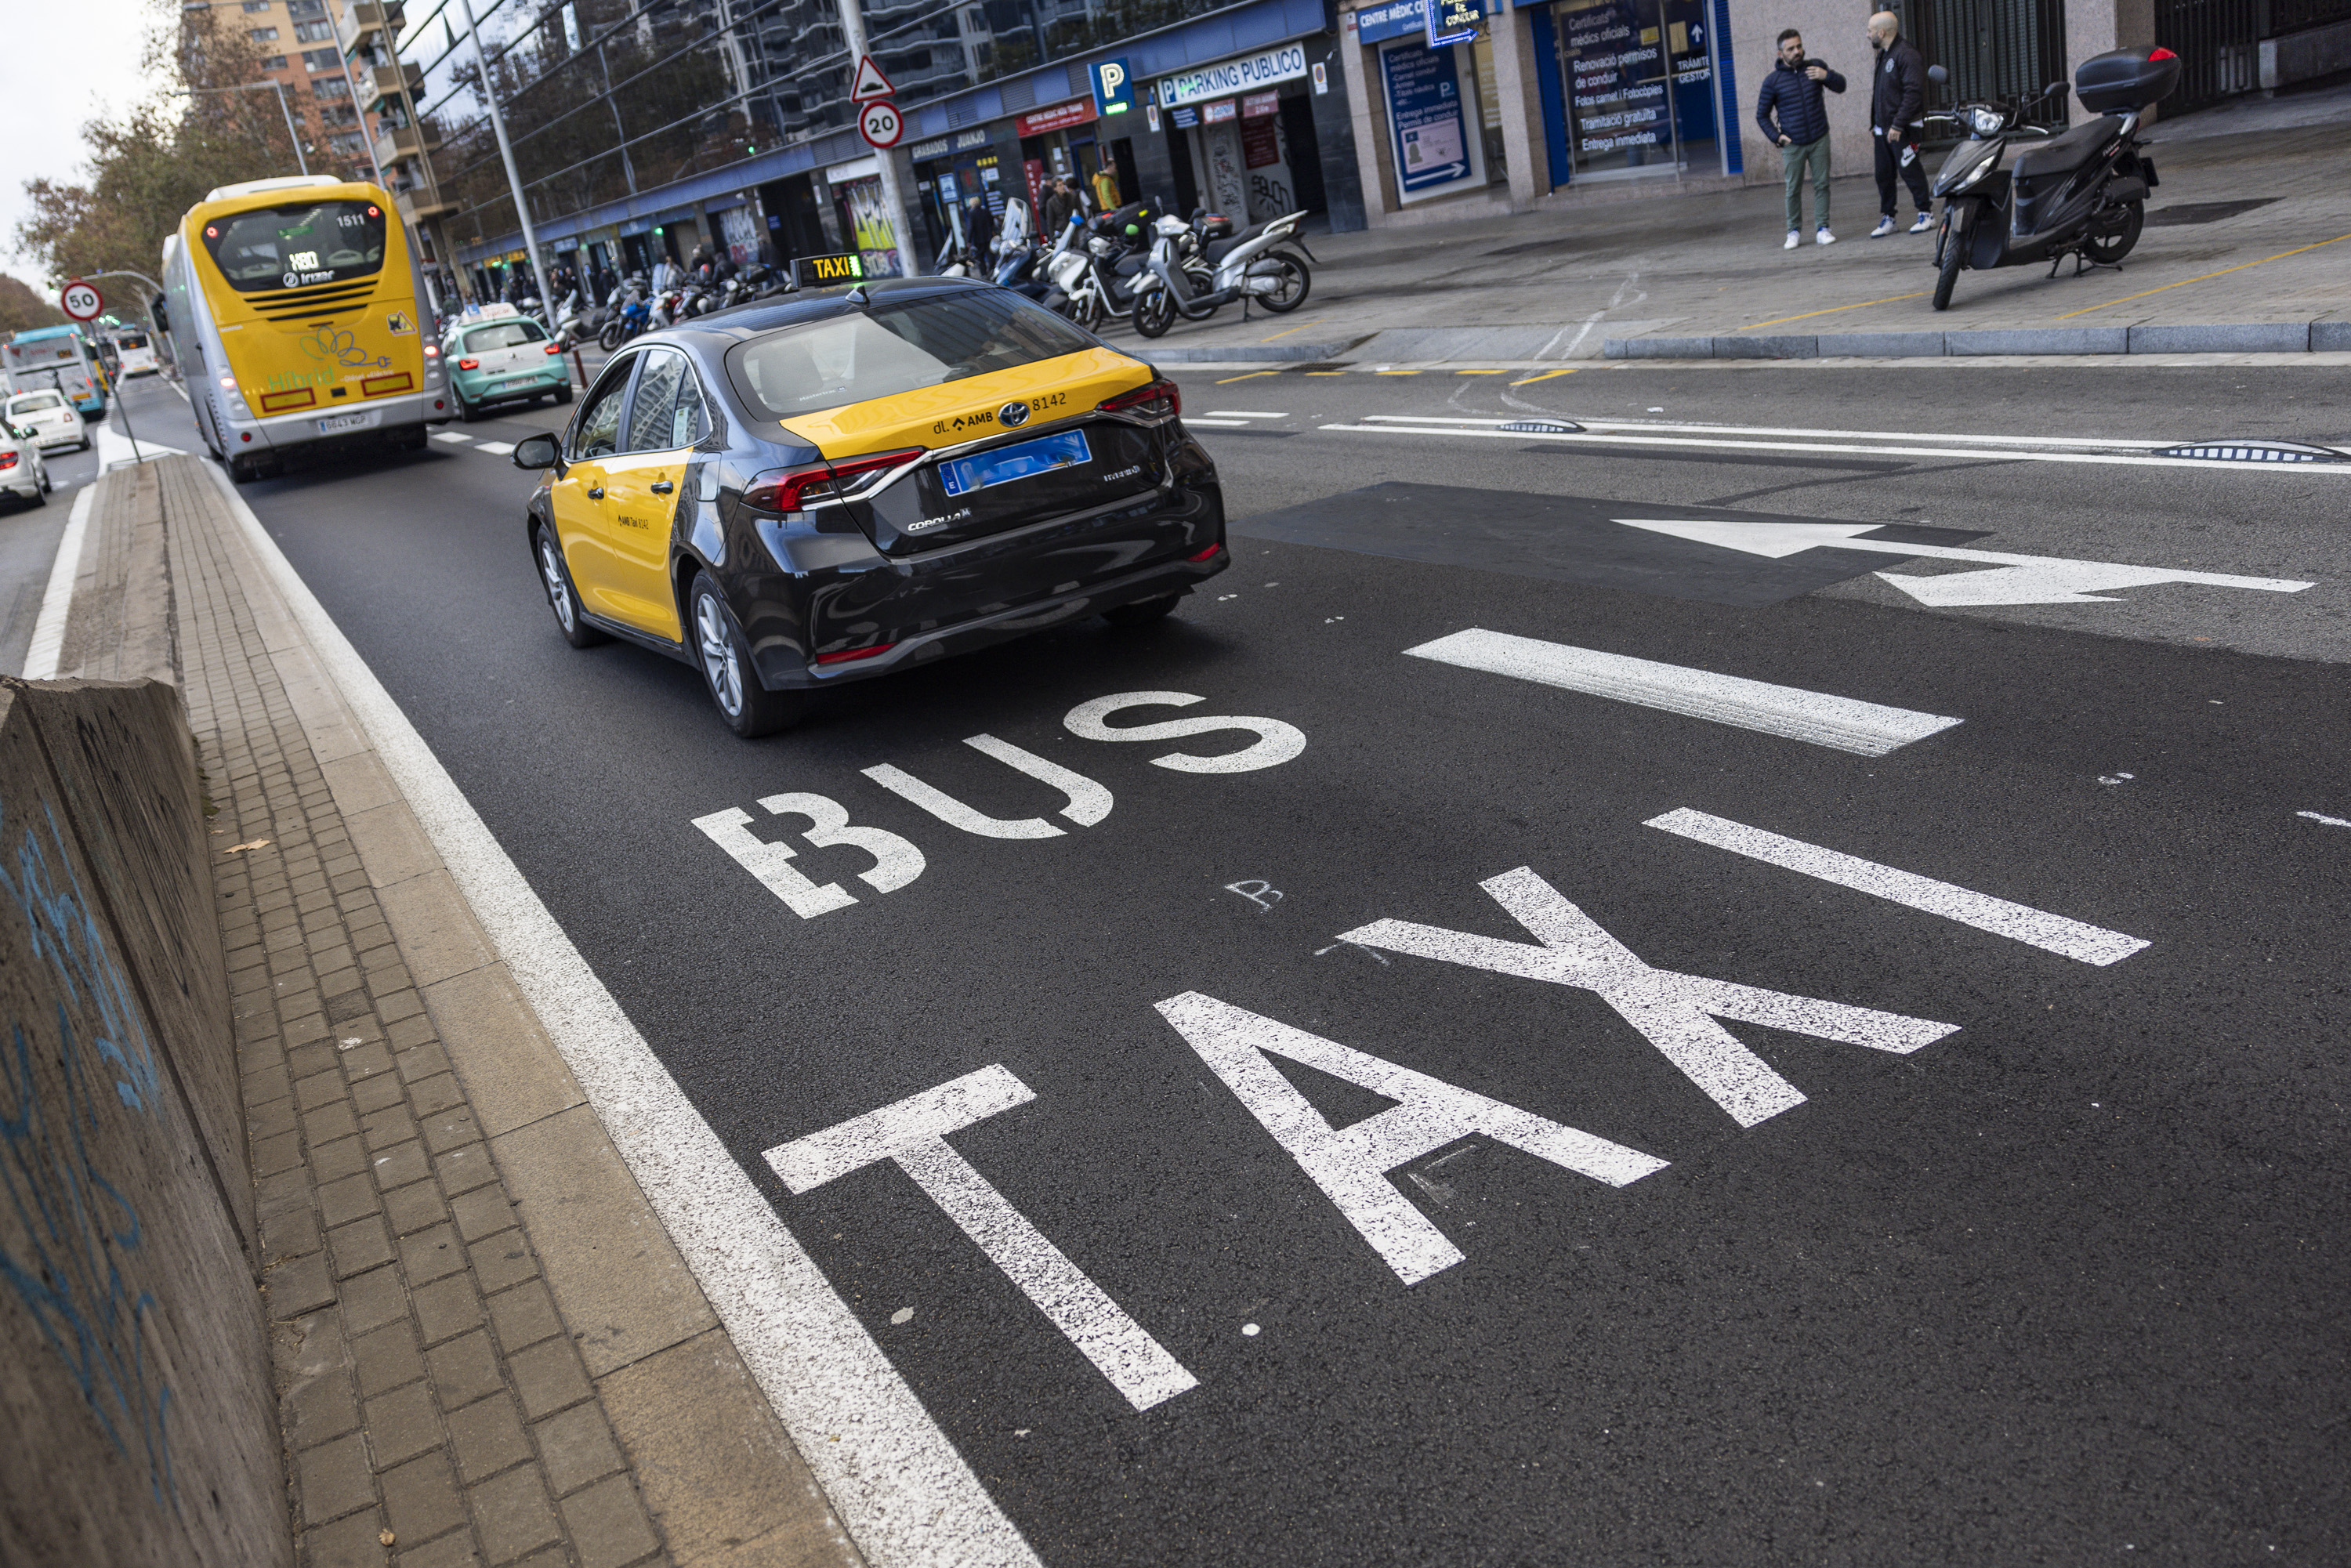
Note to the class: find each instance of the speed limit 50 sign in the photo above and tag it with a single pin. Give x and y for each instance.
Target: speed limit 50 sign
(880, 124)
(81, 302)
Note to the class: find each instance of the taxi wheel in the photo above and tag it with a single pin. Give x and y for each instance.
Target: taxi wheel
(467, 411)
(749, 708)
(1142, 612)
(555, 577)
(563, 393)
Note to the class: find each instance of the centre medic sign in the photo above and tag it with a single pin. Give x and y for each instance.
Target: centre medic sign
(1279, 65)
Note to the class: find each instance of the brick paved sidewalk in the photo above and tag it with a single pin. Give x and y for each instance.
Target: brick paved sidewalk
(437, 1407)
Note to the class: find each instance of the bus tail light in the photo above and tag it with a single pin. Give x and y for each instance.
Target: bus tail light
(432, 350)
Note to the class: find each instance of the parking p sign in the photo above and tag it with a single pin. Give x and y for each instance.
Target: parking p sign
(1113, 87)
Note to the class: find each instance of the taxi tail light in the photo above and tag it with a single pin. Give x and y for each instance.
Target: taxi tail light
(1157, 403)
(7, 460)
(469, 364)
(555, 347)
(1208, 554)
(797, 489)
(851, 655)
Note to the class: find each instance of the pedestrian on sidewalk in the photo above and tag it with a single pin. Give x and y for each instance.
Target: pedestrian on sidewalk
(1898, 114)
(1792, 95)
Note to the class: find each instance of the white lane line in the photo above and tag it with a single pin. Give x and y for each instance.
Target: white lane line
(1845, 724)
(1661, 428)
(2109, 459)
(1246, 413)
(2017, 922)
(911, 1134)
(57, 600)
(905, 1494)
(452, 438)
(2321, 817)
(494, 448)
(1217, 423)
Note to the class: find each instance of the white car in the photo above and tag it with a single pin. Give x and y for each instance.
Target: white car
(50, 421)
(23, 476)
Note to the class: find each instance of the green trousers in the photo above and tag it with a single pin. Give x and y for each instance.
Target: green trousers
(1791, 166)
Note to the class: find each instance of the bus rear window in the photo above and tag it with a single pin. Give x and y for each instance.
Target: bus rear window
(296, 246)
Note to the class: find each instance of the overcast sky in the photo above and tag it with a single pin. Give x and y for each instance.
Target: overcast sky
(63, 64)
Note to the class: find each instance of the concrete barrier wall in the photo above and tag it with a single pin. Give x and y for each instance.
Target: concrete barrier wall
(137, 1419)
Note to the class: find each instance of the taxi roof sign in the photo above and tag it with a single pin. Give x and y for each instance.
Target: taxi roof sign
(870, 82)
(828, 271)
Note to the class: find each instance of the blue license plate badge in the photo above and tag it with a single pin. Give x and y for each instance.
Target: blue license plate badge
(1006, 464)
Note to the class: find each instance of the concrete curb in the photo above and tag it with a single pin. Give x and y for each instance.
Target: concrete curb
(1238, 353)
(2248, 337)
(715, 1469)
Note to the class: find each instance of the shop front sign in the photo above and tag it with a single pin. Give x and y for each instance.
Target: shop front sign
(1452, 21)
(1060, 116)
(1217, 113)
(1258, 105)
(1287, 63)
(1432, 149)
(1374, 24)
(1113, 87)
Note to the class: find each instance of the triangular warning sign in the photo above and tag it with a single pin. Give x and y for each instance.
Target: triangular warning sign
(870, 82)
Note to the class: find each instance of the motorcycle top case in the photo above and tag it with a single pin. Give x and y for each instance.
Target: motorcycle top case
(2122, 80)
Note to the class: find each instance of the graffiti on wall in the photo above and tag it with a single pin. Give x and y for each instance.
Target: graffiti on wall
(72, 1245)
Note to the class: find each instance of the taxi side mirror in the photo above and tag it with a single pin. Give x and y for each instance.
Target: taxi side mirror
(535, 451)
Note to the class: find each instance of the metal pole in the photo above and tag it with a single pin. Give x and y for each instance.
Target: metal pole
(514, 174)
(894, 205)
(291, 134)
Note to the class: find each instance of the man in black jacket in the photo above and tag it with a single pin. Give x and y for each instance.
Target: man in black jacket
(1897, 111)
(1793, 93)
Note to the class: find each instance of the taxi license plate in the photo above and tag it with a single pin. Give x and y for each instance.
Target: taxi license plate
(346, 422)
(516, 386)
(1030, 458)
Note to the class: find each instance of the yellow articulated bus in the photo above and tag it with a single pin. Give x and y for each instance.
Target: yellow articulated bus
(299, 316)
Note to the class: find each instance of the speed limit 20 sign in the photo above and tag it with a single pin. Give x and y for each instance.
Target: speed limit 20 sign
(880, 124)
(83, 302)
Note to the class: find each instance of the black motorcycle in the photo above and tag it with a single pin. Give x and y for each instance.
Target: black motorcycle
(2082, 193)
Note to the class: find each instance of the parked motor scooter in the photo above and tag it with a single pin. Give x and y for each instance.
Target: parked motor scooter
(2082, 195)
(1252, 267)
(635, 316)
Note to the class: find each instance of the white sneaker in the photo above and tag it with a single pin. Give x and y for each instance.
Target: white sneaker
(1823, 237)
(1792, 241)
(1926, 221)
(1885, 226)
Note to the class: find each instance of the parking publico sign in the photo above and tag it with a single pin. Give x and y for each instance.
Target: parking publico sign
(81, 300)
(880, 124)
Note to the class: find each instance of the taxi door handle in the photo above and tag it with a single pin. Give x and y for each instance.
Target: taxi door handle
(663, 487)
(595, 492)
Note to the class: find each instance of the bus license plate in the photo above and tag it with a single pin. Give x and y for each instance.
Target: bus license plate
(347, 422)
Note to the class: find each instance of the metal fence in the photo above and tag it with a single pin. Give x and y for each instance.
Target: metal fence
(2219, 46)
(1993, 49)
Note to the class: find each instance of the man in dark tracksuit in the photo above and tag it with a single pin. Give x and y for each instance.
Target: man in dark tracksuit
(1898, 108)
(1791, 93)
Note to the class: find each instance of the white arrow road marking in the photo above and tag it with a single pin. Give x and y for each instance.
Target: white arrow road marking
(1676, 1012)
(2025, 580)
(1599, 433)
(1845, 724)
(911, 1134)
(2018, 922)
(1351, 1164)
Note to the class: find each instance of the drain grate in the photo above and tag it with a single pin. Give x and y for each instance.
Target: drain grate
(2188, 213)
(1543, 427)
(2257, 452)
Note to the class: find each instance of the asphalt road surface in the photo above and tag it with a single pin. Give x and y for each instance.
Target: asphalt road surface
(1821, 1073)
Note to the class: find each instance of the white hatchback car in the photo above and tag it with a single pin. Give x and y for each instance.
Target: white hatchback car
(53, 421)
(24, 478)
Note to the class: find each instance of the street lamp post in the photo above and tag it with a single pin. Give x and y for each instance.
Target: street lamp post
(894, 205)
(514, 174)
(291, 134)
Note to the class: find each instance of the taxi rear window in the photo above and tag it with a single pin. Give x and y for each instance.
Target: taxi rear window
(32, 403)
(505, 335)
(890, 348)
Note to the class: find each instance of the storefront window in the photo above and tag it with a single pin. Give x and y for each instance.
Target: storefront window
(1639, 77)
(1490, 106)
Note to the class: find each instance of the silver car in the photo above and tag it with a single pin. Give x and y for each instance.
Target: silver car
(24, 476)
(53, 421)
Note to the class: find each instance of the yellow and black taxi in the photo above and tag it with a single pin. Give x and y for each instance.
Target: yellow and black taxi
(855, 481)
